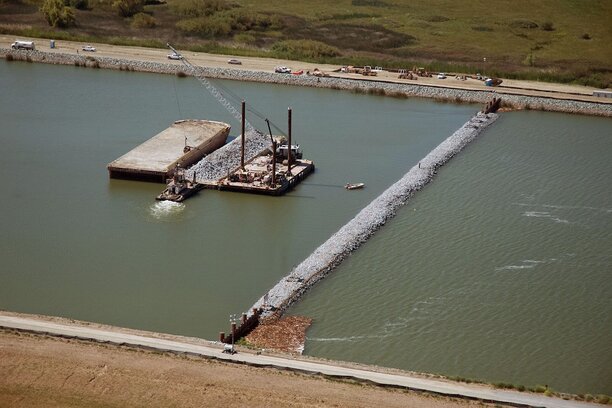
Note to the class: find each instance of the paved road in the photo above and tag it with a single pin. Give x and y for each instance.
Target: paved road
(432, 385)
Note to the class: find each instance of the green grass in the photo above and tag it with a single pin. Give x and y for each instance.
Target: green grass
(551, 40)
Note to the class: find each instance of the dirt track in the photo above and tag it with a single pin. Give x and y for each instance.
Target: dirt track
(40, 371)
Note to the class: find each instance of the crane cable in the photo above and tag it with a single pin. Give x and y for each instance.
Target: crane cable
(214, 91)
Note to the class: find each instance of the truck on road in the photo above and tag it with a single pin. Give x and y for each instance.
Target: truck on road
(23, 45)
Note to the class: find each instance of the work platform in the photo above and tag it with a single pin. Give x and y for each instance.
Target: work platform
(182, 144)
(256, 177)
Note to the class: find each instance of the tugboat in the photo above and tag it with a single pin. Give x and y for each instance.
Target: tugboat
(179, 188)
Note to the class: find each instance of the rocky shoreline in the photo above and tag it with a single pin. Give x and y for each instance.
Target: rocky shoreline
(356, 85)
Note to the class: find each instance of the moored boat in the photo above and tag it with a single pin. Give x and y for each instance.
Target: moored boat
(179, 188)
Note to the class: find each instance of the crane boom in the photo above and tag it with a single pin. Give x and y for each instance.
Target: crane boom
(197, 73)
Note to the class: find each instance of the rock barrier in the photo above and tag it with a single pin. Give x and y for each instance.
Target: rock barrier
(331, 253)
(358, 85)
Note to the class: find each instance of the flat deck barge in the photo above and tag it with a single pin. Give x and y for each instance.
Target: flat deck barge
(182, 144)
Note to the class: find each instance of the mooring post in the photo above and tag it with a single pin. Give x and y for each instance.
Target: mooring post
(242, 137)
(233, 334)
(274, 164)
(289, 143)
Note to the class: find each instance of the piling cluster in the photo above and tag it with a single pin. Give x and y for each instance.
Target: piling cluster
(361, 85)
(226, 159)
(331, 253)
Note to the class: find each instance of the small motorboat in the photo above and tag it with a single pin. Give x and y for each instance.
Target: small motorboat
(354, 186)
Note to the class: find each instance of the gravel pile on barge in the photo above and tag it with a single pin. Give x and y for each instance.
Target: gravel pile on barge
(227, 158)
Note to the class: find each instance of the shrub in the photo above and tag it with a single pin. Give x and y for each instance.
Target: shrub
(199, 8)
(57, 13)
(127, 8)
(204, 26)
(436, 19)
(143, 20)
(310, 49)
(78, 4)
(522, 23)
(548, 26)
(540, 389)
(586, 36)
(530, 60)
(603, 399)
(245, 38)
(369, 3)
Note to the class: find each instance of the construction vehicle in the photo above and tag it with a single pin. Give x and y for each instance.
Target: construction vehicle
(422, 72)
(23, 45)
(404, 74)
(492, 81)
(367, 71)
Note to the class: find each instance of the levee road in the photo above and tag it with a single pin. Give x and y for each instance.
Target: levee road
(509, 86)
(215, 351)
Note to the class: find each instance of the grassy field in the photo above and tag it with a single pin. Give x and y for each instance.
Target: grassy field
(549, 40)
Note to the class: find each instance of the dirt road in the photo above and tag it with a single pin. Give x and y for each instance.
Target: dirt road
(16, 350)
(529, 88)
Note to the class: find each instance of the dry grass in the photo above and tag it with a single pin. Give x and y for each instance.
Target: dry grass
(40, 371)
(552, 40)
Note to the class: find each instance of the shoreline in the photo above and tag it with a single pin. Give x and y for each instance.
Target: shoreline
(513, 98)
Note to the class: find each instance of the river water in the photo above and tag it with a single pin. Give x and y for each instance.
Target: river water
(498, 270)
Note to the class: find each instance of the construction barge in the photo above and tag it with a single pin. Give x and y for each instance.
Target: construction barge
(184, 143)
(257, 176)
(168, 156)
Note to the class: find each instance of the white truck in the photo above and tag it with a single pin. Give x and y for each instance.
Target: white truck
(23, 45)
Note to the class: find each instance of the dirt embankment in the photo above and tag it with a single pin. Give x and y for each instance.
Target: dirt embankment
(42, 371)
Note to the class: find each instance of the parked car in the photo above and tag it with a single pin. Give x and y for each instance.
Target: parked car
(175, 56)
(282, 70)
(89, 48)
(441, 75)
(234, 61)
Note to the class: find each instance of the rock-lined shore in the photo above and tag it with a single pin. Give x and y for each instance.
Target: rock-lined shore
(357, 85)
(332, 252)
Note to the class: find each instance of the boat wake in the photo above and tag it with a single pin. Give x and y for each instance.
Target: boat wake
(166, 210)
(544, 214)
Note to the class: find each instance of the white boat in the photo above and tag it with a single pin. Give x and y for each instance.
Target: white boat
(354, 186)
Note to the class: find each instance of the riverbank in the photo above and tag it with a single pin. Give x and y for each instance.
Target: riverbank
(517, 95)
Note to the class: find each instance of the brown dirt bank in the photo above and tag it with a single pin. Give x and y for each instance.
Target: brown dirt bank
(44, 371)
